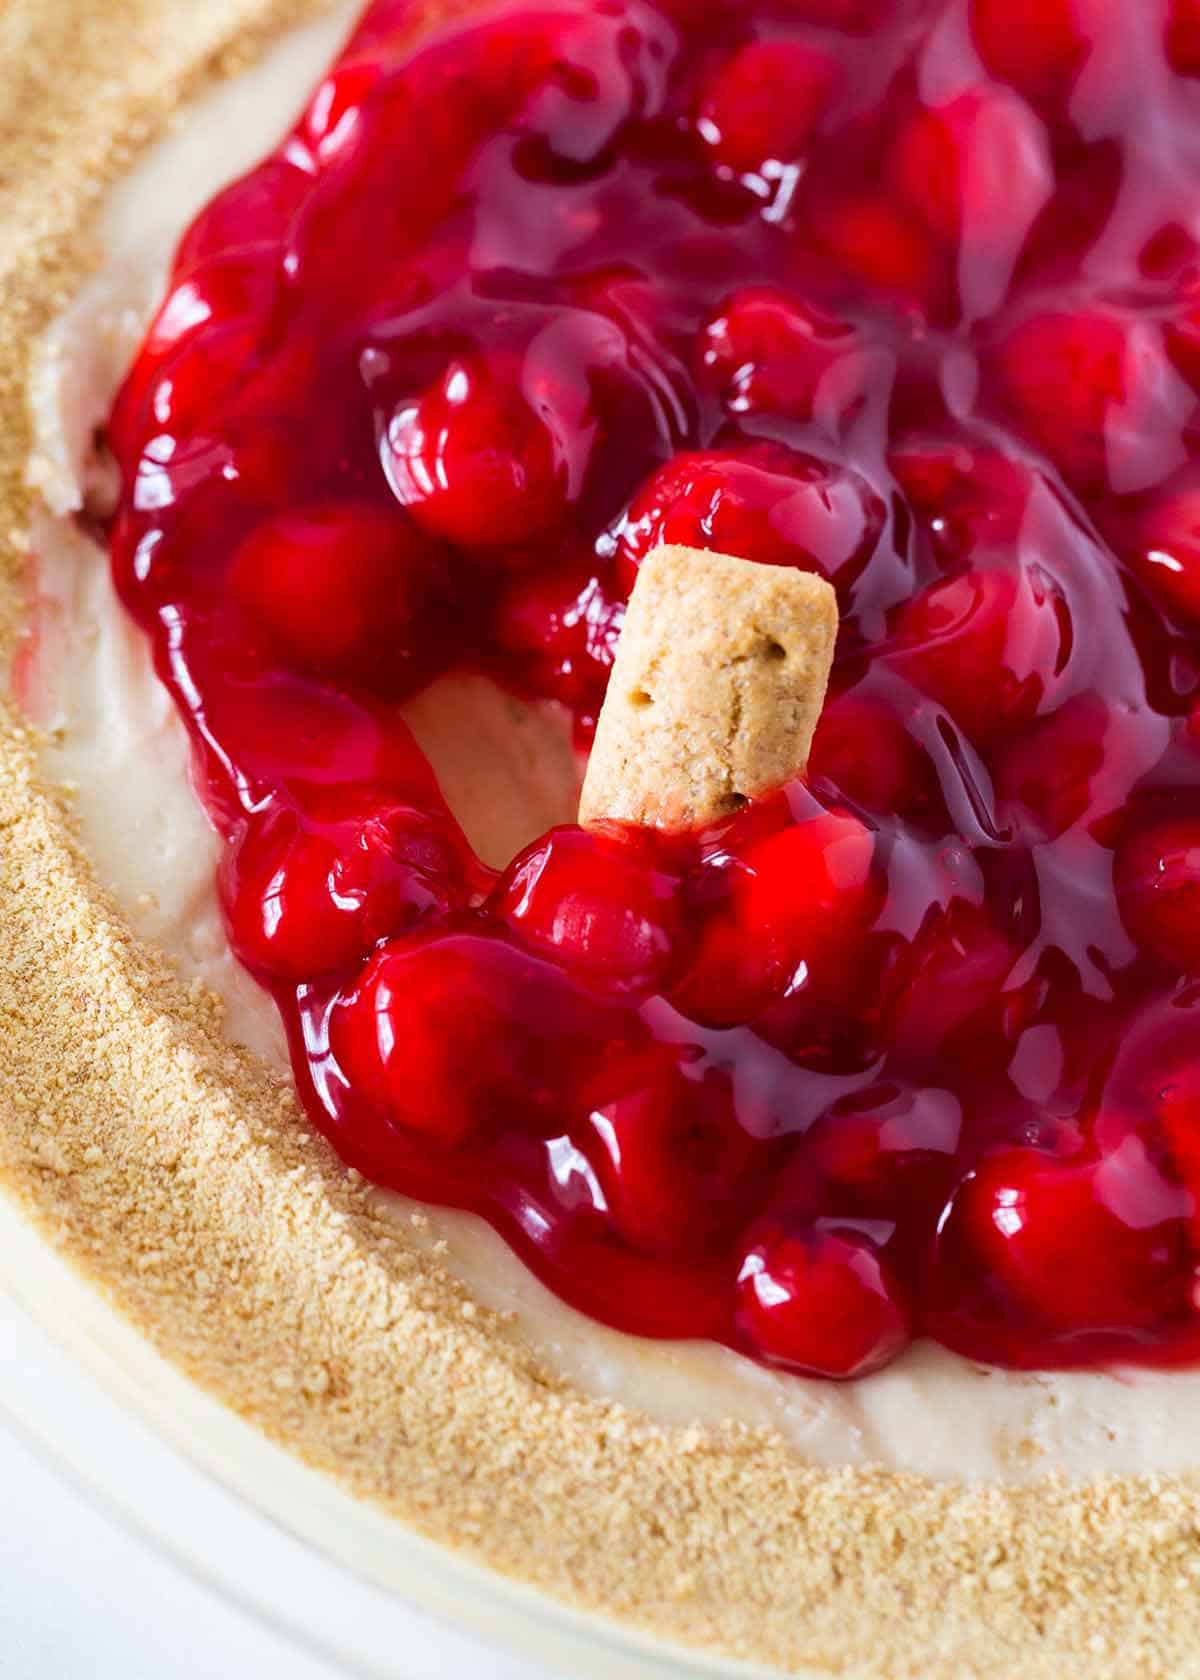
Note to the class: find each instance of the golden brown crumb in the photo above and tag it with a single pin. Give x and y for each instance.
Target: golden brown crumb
(718, 683)
(171, 1169)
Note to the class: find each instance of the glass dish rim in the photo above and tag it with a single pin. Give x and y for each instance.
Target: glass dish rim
(309, 1507)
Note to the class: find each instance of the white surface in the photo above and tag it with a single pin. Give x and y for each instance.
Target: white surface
(80, 1598)
(268, 1533)
(84, 1596)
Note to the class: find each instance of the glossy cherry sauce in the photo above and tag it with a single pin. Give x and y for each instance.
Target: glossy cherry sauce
(903, 291)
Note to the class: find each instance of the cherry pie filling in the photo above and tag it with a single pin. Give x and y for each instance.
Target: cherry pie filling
(905, 292)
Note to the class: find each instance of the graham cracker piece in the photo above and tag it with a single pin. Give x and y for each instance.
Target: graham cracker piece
(718, 682)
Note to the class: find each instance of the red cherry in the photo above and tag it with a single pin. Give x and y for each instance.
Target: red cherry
(1091, 1245)
(600, 903)
(454, 1037)
(763, 502)
(958, 971)
(796, 909)
(766, 101)
(334, 118)
(977, 171)
(303, 898)
(985, 645)
(968, 497)
(1182, 335)
(1183, 37)
(823, 1302)
(340, 587)
(1167, 552)
(881, 246)
(474, 463)
(678, 1168)
(1177, 1110)
(1157, 878)
(1080, 762)
(769, 352)
(1038, 45)
(808, 885)
(889, 1146)
(1065, 378)
(254, 214)
(1168, 252)
(300, 736)
(976, 167)
(929, 163)
(863, 748)
(283, 915)
(564, 626)
(856, 17)
(201, 350)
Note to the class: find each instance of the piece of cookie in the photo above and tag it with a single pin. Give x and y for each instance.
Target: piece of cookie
(717, 686)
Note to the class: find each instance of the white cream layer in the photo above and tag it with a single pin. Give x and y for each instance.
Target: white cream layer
(116, 740)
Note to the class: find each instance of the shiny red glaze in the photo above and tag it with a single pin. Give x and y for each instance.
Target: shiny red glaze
(314, 892)
(1167, 552)
(1083, 1246)
(339, 589)
(766, 351)
(606, 905)
(765, 102)
(1183, 37)
(794, 906)
(1157, 876)
(763, 502)
(900, 293)
(975, 168)
(556, 634)
(473, 462)
(987, 645)
(677, 1166)
(1038, 45)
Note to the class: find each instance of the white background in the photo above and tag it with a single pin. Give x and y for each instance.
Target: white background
(80, 1599)
(85, 1596)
